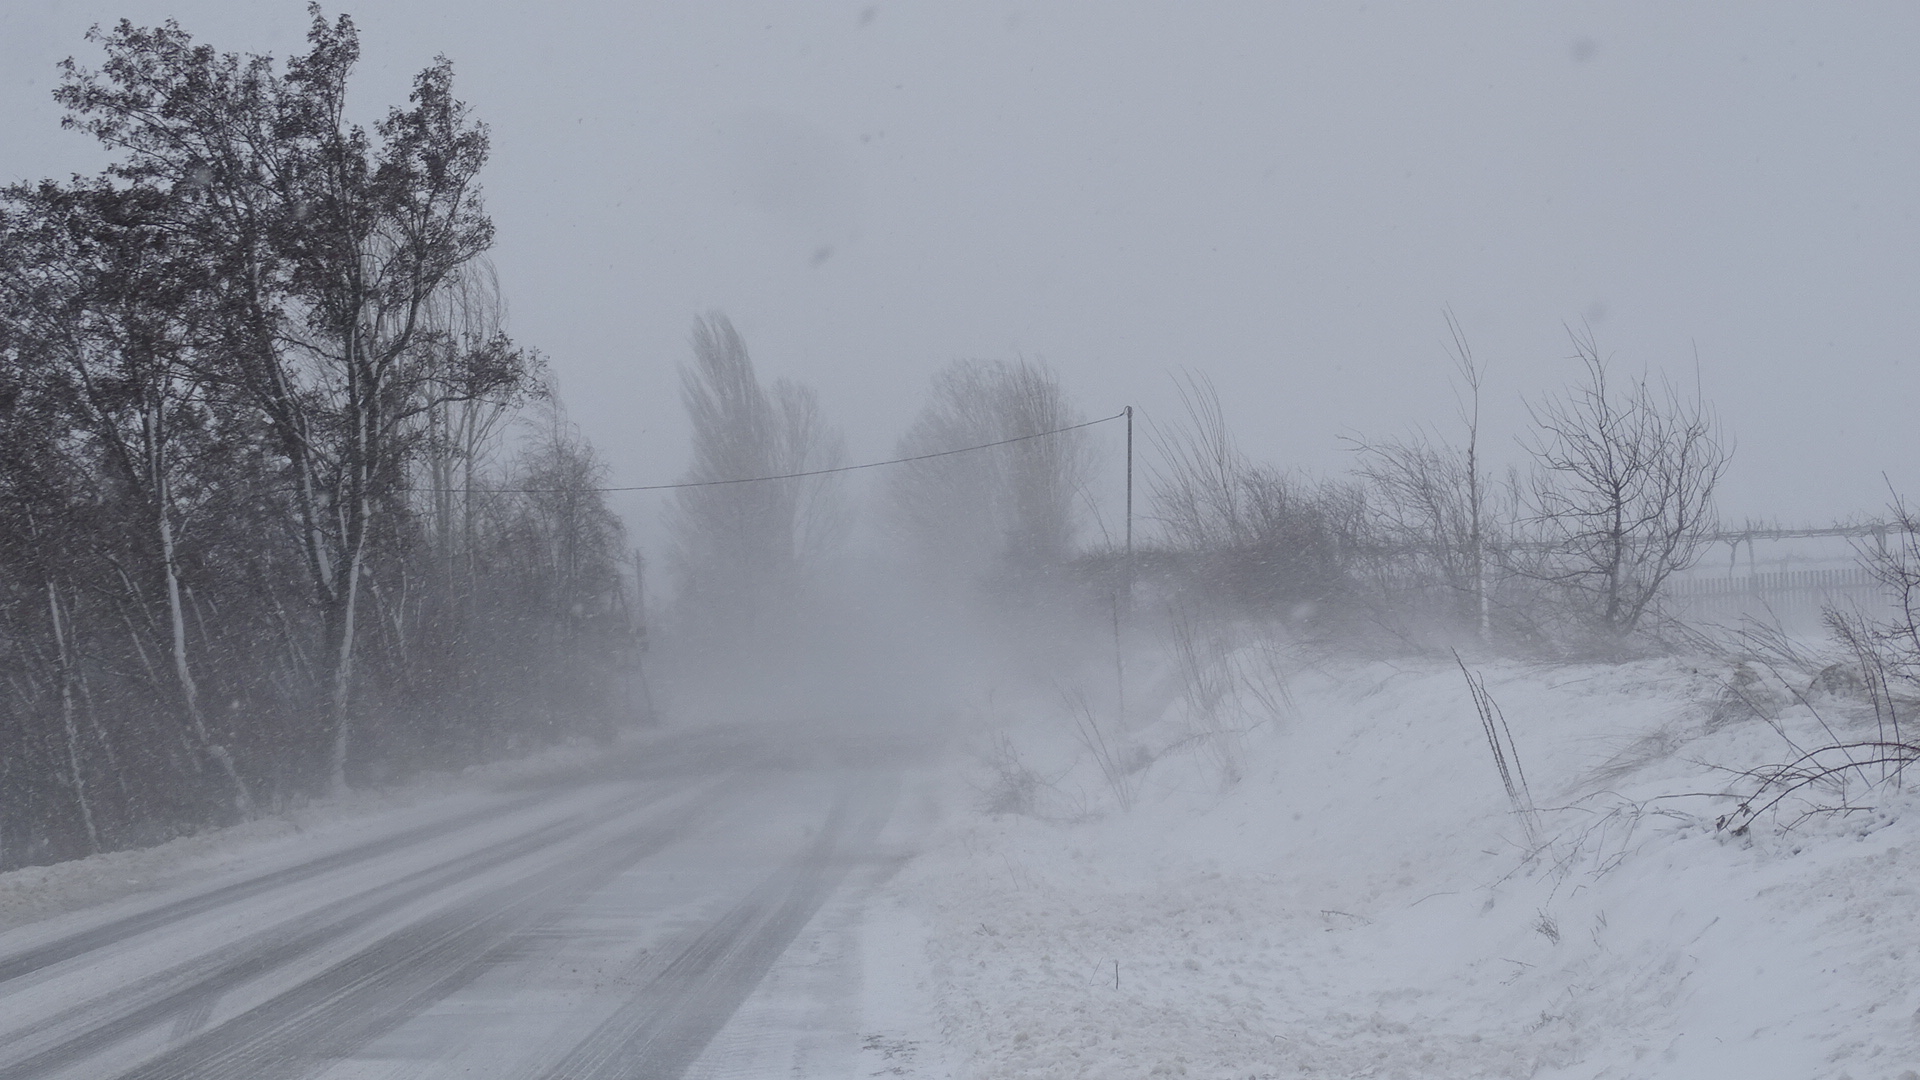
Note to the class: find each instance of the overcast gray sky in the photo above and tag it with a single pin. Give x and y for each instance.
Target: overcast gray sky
(1284, 196)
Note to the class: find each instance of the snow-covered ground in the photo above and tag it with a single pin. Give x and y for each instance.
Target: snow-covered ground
(1363, 900)
(1341, 889)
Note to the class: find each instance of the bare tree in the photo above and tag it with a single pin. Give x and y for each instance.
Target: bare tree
(1262, 537)
(741, 550)
(1893, 637)
(1430, 504)
(1622, 491)
(1470, 373)
(1421, 508)
(1005, 512)
(1197, 479)
(459, 434)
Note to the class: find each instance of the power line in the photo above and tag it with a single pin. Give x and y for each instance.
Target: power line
(784, 476)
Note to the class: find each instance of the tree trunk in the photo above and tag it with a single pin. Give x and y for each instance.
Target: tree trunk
(342, 624)
(183, 672)
(66, 715)
(362, 397)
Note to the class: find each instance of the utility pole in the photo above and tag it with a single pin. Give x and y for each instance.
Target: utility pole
(1129, 413)
(649, 715)
(1123, 604)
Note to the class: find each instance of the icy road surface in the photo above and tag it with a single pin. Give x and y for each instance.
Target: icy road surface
(607, 925)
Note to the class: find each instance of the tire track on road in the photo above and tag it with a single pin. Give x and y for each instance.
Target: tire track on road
(187, 992)
(680, 757)
(45, 955)
(330, 1015)
(664, 1027)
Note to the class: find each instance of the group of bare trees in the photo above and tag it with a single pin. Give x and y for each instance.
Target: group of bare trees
(1255, 538)
(1570, 552)
(776, 591)
(988, 507)
(254, 538)
(1423, 540)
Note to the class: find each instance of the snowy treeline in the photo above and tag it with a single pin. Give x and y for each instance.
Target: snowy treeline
(281, 505)
(1422, 544)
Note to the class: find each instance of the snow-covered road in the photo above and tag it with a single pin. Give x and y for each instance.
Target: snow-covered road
(602, 926)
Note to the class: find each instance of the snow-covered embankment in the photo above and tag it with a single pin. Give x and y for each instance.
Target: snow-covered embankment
(1363, 901)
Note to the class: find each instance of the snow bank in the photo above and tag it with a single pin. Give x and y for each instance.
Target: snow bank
(1364, 901)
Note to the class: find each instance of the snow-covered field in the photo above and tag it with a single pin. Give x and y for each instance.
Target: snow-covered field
(1363, 900)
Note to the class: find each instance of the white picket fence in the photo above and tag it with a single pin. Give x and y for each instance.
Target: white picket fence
(1793, 598)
